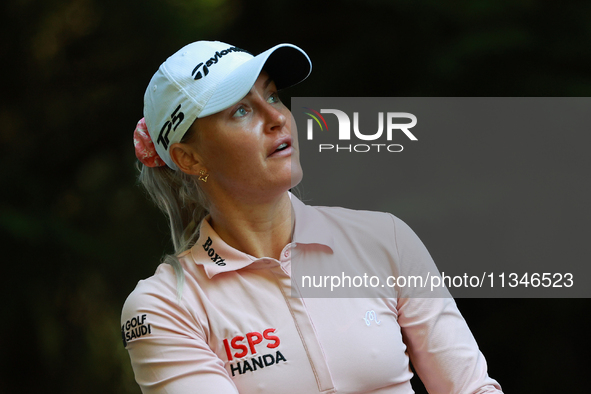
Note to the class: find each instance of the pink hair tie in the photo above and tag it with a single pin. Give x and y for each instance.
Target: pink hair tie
(145, 150)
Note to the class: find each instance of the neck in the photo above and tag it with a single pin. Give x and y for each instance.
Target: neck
(259, 229)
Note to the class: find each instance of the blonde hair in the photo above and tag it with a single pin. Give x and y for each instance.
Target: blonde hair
(181, 199)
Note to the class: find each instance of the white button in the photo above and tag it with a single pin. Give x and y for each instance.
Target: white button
(286, 254)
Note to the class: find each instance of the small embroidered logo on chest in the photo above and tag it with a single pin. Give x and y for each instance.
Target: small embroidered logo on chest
(371, 316)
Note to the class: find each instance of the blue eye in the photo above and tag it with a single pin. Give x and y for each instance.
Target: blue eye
(239, 112)
(274, 98)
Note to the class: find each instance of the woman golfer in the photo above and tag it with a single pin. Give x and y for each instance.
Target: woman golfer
(219, 156)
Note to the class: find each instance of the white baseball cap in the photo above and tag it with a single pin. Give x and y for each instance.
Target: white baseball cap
(206, 77)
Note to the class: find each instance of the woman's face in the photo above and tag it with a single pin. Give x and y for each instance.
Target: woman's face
(249, 149)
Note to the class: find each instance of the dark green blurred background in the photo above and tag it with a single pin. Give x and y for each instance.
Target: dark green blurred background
(78, 233)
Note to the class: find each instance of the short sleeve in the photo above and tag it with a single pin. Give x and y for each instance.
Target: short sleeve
(440, 344)
(168, 349)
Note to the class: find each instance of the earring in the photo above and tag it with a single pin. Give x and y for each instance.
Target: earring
(203, 175)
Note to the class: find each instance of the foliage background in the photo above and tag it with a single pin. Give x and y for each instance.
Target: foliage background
(78, 233)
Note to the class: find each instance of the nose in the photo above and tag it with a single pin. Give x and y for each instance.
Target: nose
(275, 118)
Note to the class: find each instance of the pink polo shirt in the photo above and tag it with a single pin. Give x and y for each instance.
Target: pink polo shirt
(238, 330)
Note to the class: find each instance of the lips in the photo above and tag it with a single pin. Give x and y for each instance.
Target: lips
(281, 147)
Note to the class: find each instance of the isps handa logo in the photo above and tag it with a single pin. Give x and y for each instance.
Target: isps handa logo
(244, 356)
(389, 125)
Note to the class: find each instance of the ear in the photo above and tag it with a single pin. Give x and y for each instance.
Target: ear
(186, 159)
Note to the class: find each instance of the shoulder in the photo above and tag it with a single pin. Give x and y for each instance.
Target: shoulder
(154, 308)
(151, 296)
(365, 222)
(368, 230)
(383, 223)
(160, 286)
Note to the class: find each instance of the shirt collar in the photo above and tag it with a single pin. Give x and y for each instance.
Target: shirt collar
(216, 256)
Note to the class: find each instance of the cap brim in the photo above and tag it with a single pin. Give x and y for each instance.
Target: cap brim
(286, 64)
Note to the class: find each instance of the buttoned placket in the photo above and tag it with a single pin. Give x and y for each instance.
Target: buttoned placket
(303, 322)
(285, 259)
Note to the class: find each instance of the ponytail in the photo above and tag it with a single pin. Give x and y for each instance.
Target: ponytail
(183, 202)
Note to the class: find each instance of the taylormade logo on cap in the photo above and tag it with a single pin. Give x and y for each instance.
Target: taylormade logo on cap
(213, 61)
